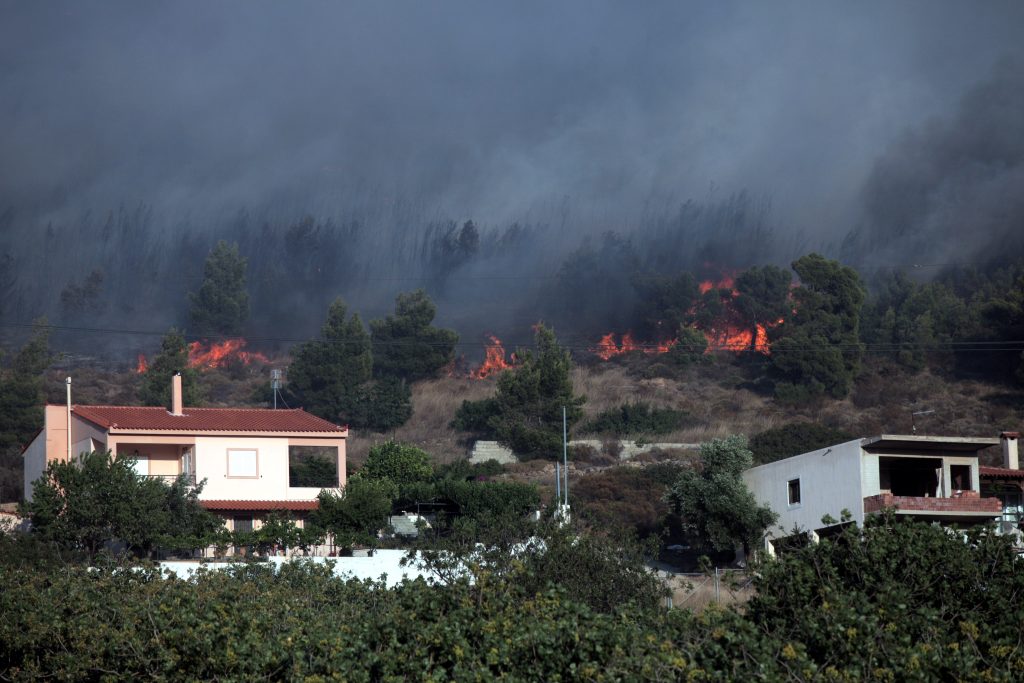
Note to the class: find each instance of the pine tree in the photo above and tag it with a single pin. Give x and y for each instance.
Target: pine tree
(405, 345)
(172, 359)
(818, 351)
(21, 401)
(530, 398)
(329, 376)
(221, 306)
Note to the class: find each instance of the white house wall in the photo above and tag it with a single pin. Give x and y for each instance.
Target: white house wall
(86, 436)
(830, 481)
(271, 483)
(34, 462)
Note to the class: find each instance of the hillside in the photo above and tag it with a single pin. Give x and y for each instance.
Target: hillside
(716, 399)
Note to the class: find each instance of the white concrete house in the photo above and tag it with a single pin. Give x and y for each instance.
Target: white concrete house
(246, 456)
(928, 477)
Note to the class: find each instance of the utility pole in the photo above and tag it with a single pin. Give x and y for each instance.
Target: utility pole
(565, 457)
(68, 383)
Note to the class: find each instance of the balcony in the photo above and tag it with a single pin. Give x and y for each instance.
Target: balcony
(963, 504)
(190, 479)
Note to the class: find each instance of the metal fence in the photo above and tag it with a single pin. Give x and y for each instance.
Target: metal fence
(721, 587)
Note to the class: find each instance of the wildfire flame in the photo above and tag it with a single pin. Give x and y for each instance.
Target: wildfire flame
(607, 348)
(723, 335)
(217, 355)
(494, 360)
(220, 354)
(736, 340)
(727, 281)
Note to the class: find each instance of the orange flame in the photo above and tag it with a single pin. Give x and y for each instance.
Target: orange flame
(142, 365)
(220, 354)
(728, 281)
(494, 361)
(607, 349)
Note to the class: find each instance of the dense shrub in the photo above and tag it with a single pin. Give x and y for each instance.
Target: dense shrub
(475, 417)
(899, 600)
(794, 439)
(465, 470)
(526, 413)
(636, 418)
(893, 601)
(627, 497)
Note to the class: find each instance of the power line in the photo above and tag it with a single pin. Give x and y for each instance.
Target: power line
(571, 344)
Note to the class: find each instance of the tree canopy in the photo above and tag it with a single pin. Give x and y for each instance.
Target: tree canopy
(172, 359)
(21, 406)
(333, 377)
(359, 513)
(98, 498)
(818, 350)
(400, 463)
(327, 375)
(406, 345)
(21, 397)
(715, 504)
(526, 412)
(221, 306)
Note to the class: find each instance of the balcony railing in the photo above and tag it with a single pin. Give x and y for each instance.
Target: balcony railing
(190, 479)
(968, 502)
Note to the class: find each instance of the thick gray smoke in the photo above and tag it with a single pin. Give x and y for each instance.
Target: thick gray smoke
(951, 191)
(135, 134)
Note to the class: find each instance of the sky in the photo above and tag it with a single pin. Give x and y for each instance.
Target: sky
(499, 112)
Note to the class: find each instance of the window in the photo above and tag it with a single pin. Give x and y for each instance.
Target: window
(314, 466)
(243, 524)
(961, 476)
(243, 463)
(794, 491)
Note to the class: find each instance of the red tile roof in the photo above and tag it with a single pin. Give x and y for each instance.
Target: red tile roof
(206, 419)
(259, 505)
(1000, 473)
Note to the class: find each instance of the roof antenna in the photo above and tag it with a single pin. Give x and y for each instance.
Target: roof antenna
(913, 422)
(275, 387)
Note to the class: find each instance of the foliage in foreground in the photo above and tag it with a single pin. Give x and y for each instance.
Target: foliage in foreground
(893, 601)
(98, 499)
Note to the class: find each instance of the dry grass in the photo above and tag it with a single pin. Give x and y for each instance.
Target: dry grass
(707, 395)
(713, 396)
(434, 403)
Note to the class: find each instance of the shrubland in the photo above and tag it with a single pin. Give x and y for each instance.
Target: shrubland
(895, 600)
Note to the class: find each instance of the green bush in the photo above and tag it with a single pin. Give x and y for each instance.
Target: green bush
(475, 417)
(794, 439)
(526, 413)
(689, 349)
(894, 601)
(400, 463)
(636, 418)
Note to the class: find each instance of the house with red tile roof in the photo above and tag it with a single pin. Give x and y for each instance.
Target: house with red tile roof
(252, 461)
(1007, 484)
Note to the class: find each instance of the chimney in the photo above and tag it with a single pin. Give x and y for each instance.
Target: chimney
(176, 407)
(1009, 443)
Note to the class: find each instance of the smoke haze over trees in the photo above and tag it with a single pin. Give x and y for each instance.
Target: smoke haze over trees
(486, 153)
